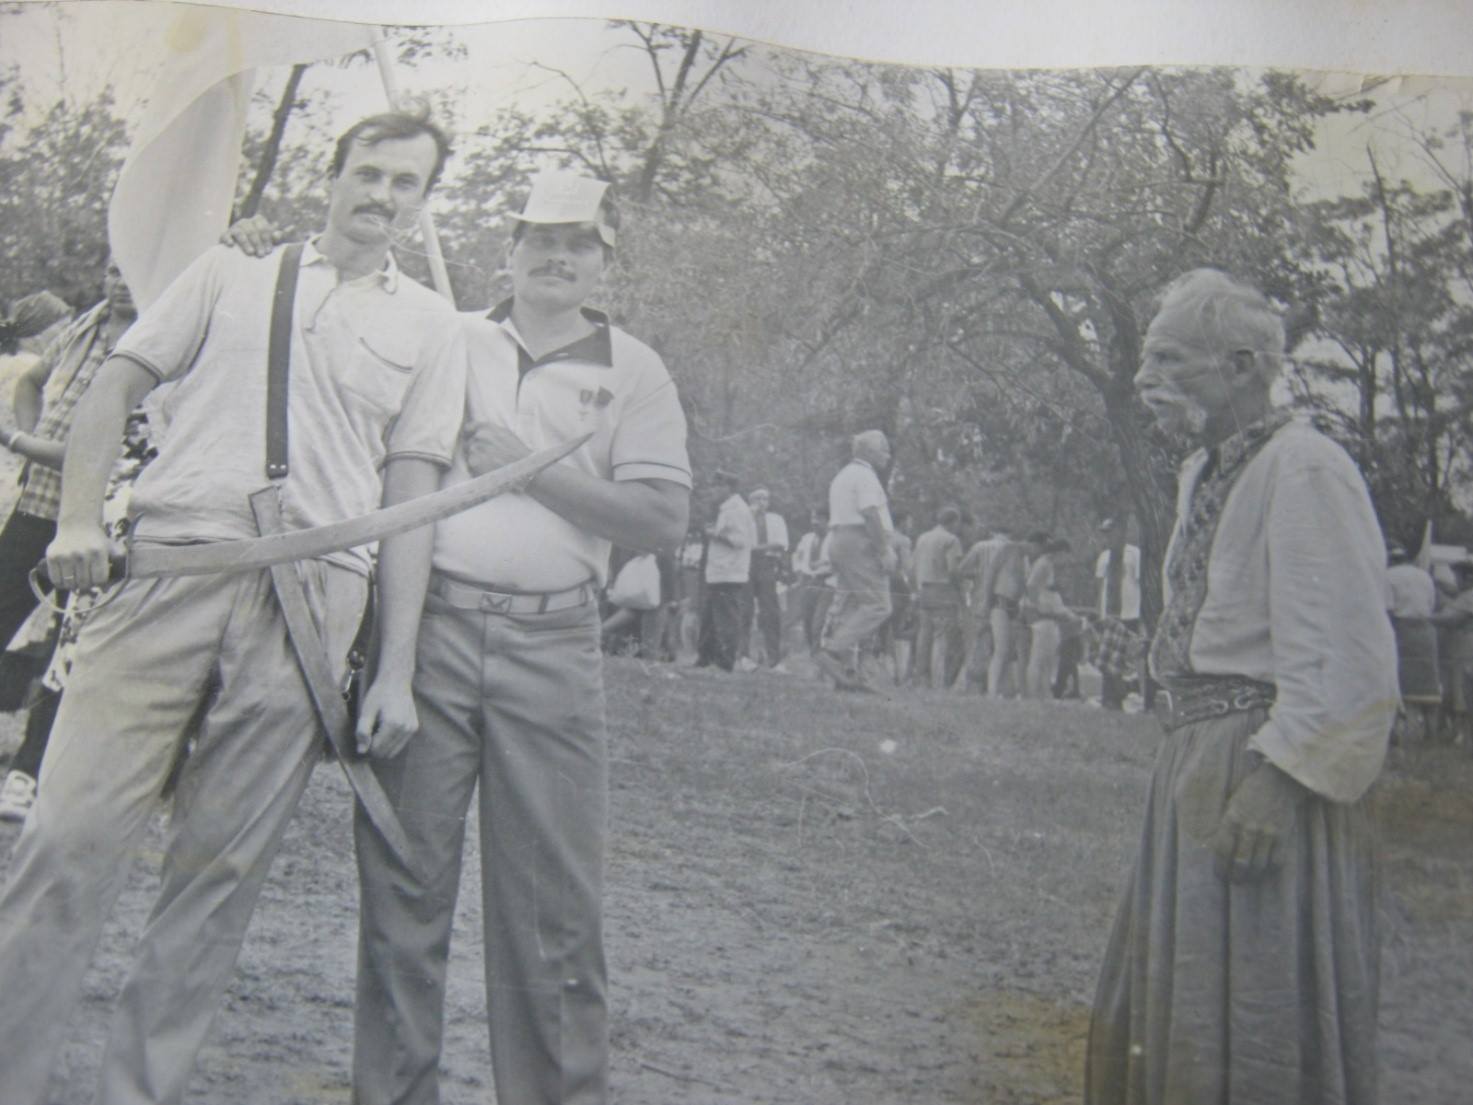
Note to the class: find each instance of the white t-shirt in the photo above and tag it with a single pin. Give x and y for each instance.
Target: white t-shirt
(855, 489)
(1130, 582)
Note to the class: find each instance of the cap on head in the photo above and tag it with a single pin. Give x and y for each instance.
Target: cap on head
(562, 197)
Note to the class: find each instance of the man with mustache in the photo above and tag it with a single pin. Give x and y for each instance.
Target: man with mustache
(1242, 967)
(377, 372)
(491, 675)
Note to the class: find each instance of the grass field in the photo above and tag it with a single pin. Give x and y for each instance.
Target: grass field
(825, 899)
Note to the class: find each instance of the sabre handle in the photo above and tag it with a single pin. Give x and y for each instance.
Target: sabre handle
(44, 587)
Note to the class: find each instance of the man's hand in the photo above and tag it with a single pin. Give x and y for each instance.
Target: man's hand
(489, 446)
(888, 560)
(255, 236)
(387, 719)
(78, 558)
(1257, 821)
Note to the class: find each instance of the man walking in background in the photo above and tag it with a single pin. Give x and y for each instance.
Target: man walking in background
(1242, 967)
(502, 678)
(862, 557)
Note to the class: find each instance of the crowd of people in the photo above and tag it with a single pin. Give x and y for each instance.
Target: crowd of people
(1242, 964)
(970, 609)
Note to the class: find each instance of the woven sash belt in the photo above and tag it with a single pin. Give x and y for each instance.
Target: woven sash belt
(1189, 699)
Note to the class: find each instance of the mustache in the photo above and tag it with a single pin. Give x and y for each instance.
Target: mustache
(373, 209)
(552, 269)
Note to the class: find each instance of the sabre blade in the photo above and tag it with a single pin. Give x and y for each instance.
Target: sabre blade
(252, 553)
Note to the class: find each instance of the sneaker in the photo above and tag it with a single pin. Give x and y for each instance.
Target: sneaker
(745, 664)
(17, 796)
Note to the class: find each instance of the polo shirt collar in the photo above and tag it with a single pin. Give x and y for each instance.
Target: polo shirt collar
(388, 275)
(596, 348)
(861, 460)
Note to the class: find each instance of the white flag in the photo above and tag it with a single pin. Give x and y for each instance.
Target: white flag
(173, 196)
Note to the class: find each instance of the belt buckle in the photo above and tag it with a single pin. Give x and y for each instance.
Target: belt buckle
(495, 603)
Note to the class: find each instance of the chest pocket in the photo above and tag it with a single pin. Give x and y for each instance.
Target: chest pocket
(381, 368)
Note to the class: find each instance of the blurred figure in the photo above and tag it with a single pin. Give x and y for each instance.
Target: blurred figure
(769, 554)
(1118, 625)
(938, 555)
(729, 541)
(862, 552)
(1413, 597)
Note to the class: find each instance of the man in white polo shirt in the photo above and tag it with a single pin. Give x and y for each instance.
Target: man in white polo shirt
(862, 557)
(502, 678)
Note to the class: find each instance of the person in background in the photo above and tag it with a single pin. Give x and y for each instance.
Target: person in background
(1242, 968)
(1118, 610)
(862, 552)
(729, 541)
(976, 628)
(1413, 598)
(45, 402)
(938, 554)
(810, 574)
(769, 554)
(1455, 616)
(1003, 589)
(895, 642)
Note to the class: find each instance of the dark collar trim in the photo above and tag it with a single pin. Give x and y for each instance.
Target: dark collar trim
(597, 348)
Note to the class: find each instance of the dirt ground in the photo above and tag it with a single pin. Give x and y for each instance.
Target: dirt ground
(801, 911)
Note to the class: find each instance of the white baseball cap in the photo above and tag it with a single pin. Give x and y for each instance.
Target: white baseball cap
(563, 197)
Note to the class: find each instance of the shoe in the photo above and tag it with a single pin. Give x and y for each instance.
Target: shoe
(745, 664)
(17, 796)
(779, 668)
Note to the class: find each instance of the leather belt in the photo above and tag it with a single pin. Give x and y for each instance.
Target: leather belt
(466, 596)
(1183, 701)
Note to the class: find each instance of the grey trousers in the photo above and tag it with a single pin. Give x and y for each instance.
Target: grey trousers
(861, 592)
(514, 702)
(144, 662)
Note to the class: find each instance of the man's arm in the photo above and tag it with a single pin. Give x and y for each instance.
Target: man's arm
(28, 403)
(879, 537)
(78, 558)
(646, 515)
(28, 391)
(388, 717)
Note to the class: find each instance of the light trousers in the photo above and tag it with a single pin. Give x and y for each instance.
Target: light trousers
(514, 703)
(144, 663)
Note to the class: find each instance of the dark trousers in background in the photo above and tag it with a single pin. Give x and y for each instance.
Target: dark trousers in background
(23, 541)
(938, 653)
(722, 622)
(764, 605)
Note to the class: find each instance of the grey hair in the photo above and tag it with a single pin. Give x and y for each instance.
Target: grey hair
(866, 438)
(1211, 311)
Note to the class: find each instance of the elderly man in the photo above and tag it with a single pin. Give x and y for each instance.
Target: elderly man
(862, 557)
(1242, 967)
(502, 678)
(377, 371)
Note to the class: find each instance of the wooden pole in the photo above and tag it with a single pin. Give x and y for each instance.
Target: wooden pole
(438, 272)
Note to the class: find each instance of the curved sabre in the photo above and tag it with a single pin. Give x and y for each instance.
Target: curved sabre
(248, 554)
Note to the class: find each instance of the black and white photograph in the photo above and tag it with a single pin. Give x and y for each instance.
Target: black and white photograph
(722, 554)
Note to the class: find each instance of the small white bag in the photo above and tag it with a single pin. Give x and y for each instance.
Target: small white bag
(637, 586)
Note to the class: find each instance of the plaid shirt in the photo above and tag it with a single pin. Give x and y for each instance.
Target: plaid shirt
(1116, 646)
(71, 361)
